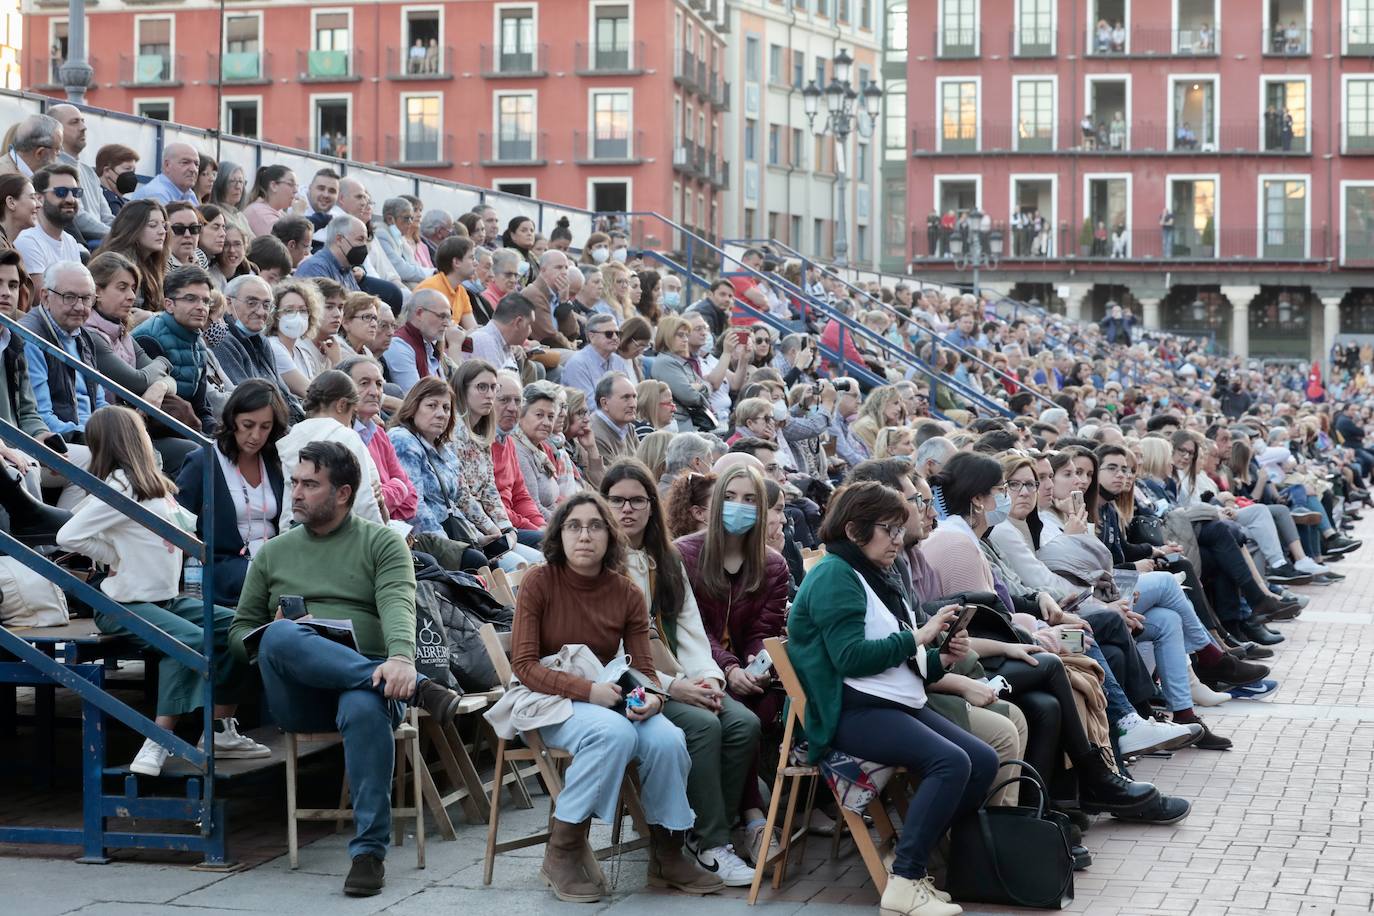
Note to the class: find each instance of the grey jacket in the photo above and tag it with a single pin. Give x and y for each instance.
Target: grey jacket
(687, 387)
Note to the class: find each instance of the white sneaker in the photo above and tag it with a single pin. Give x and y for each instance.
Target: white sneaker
(1311, 567)
(229, 744)
(1140, 736)
(1206, 696)
(722, 862)
(150, 759)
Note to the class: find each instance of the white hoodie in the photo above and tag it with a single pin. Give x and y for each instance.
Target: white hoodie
(327, 429)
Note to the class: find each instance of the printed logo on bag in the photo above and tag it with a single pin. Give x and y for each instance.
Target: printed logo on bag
(429, 646)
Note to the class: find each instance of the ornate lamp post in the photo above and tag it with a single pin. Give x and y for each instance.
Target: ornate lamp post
(76, 72)
(847, 111)
(979, 252)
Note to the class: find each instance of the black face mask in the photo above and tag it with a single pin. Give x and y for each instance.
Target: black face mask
(356, 255)
(125, 182)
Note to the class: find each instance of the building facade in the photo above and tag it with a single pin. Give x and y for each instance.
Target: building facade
(786, 184)
(1210, 163)
(561, 99)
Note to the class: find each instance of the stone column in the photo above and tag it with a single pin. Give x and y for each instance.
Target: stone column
(1150, 313)
(1239, 297)
(1331, 326)
(1073, 302)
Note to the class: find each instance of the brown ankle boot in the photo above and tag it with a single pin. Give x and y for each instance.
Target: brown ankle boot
(562, 868)
(671, 866)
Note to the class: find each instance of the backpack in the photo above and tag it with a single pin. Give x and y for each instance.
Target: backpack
(461, 605)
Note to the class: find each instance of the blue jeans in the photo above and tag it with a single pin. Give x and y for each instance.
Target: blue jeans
(1118, 704)
(1173, 626)
(314, 684)
(603, 742)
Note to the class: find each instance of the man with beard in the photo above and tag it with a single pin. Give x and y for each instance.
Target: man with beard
(175, 333)
(49, 242)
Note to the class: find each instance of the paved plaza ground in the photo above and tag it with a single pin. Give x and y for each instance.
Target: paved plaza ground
(1282, 824)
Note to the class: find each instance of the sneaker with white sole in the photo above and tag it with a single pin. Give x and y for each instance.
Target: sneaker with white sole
(748, 842)
(722, 862)
(1141, 736)
(231, 744)
(150, 759)
(1311, 567)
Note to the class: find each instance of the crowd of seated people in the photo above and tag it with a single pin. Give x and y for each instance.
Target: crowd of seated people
(666, 472)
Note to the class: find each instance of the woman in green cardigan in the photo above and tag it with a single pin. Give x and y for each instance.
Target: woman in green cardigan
(865, 666)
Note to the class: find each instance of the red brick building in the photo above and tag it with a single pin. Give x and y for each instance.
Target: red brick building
(570, 100)
(1251, 125)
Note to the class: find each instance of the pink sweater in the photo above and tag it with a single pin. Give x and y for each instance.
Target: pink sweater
(397, 491)
(958, 563)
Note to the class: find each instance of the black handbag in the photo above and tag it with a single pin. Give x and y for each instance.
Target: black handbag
(1013, 855)
(1146, 529)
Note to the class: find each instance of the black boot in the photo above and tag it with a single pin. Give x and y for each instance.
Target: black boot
(32, 522)
(1100, 789)
(1257, 632)
(1231, 671)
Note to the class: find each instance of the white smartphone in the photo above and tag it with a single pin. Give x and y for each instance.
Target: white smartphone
(760, 665)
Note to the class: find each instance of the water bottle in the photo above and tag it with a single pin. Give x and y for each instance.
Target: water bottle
(192, 576)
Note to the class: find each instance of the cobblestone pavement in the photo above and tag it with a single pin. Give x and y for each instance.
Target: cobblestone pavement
(1283, 823)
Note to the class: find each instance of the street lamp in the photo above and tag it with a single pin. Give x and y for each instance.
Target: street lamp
(846, 111)
(981, 251)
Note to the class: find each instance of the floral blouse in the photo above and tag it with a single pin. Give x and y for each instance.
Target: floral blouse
(483, 506)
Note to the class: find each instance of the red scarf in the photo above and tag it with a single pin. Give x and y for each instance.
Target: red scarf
(411, 335)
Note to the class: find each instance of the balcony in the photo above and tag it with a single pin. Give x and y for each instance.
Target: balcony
(691, 159)
(1129, 247)
(1031, 42)
(500, 62)
(1359, 41)
(599, 60)
(685, 74)
(239, 68)
(720, 173)
(151, 71)
(1153, 41)
(516, 149)
(429, 153)
(329, 66)
(703, 87)
(1359, 141)
(721, 99)
(956, 44)
(1283, 41)
(1141, 138)
(401, 66)
(335, 145)
(590, 149)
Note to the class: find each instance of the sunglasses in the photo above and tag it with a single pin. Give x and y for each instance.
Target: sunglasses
(185, 228)
(64, 193)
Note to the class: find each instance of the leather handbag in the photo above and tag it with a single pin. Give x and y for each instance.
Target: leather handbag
(1145, 529)
(1012, 855)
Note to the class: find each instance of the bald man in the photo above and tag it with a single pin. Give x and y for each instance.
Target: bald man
(94, 217)
(546, 292)
(180, 166)
(381, 278)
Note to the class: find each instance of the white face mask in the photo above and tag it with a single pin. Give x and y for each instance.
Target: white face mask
(294, 325)
(779, 411)
(600, 254)
(620, 254)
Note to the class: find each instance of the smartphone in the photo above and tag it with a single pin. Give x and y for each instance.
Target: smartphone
(1076, 600)
(958, 625)
(1072, 640)
(292, 607)
(1077, 499)
(760, 665)
(1172, 557)
(742, 336)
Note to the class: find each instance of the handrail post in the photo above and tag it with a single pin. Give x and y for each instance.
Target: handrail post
(843, 362)
(207, 591)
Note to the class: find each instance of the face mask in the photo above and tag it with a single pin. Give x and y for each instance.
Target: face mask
(243, 328)
(1164, 402)
(620, 254)
(672, 299)
(599, 254)
(999, 512)
(779, 411)
(126, 182)
(738, 518)
(356, 256)
(710, 343)
(216, 332)
(523, 268)
(293, 326)
(1090, 403)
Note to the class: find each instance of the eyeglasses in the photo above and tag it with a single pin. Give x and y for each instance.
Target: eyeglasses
(286, 312)
(920, 502)
(370, 319)
(1115, 469)
(256, 305)
(447, 316)
(185, 228)
(1023, 486)
(64, 193)
(610, 335)
(484, 387)
(593, 528)
(894, 532)
(637, 503)
(193, 300)
(70, 300)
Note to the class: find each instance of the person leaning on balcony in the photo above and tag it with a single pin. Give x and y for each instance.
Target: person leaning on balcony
(177, 180)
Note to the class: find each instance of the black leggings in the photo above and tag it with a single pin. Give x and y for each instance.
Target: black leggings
(1043, 693)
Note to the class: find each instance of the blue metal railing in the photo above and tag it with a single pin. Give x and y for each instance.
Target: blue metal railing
(200, 806)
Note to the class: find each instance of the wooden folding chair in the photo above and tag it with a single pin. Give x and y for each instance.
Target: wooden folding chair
(871, 852)
(449, 759)
(407, 737)
(550, 764)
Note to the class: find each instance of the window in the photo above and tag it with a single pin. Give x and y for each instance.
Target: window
(1193, 202)
(58, 54)
(799, 67)
(894, 121)
(861, 244)
(751, 140)
(1285, 127)
(959, 28)
(610, 196)
(775, 64)
(156, 109)
(958, 116)
(153, 64)
(1109, 209)
(612, 38)
(1283, 203)
(611, 125)
(1358, 232)
(866, 14)
(515, 128)
(517, 41)
(1359, 27)
(750, 215)
(861, 162)
(751, 59)
(1035, 28)
(331, 126)
(896, 30)
(817, 236)
(1195, 27)
(796, 148)
(423, 30)
(329, 58)
(1194, 114)
(1109, 32)
(423, 115)
(1285, 28)
(1034, 115)
(517, 187)
(794, 237)
(774, 144)
(1359, 114)
(820, 72)
(242, 49)
(242, 118)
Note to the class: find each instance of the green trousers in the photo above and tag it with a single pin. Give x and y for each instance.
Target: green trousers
(722, 748)
(179, 689)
